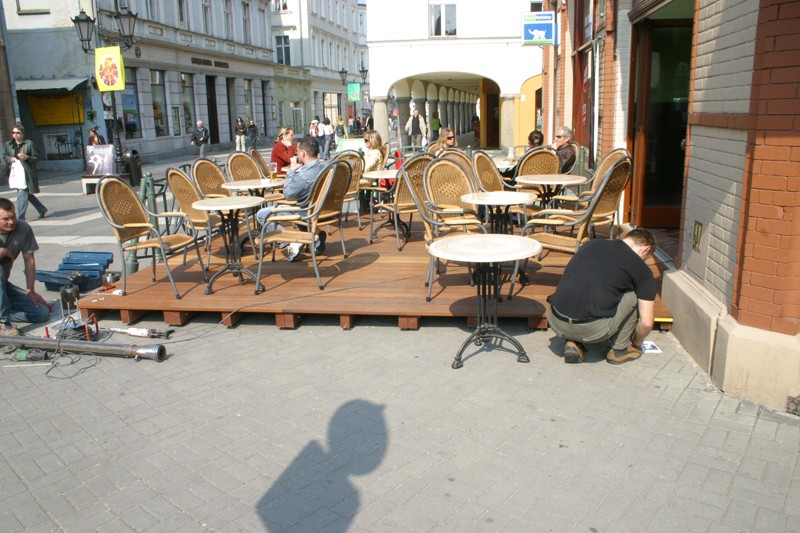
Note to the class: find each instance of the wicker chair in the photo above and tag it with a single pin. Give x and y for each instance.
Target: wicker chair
(399, 200)
(324, 209)
(487, 176)
(445, 182)
(262, 165)
(209, 179)
(241, 167)
(356, 162)
(461, 157)
(434, 226)
(385, 160)
(590, 186)
(576, 147)
(541, 160)
(129, 218)
(185, 193)
(578, 223)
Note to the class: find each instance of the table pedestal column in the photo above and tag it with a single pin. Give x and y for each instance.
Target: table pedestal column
(487, 283)
(229, 228)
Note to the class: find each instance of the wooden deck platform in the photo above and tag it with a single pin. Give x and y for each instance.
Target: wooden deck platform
(375, 279)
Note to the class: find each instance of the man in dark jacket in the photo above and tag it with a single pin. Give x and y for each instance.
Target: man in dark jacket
(200, 138)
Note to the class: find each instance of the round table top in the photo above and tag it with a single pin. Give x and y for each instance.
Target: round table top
(551, 179)
(380, 174)
(228, 203)
(246, 185)
(484, 248)
(499, 198)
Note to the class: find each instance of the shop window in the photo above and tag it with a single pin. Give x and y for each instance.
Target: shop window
(159, 95)
(187, 82)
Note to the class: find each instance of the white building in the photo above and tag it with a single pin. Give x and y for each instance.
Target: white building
(209, 60)
(325, 37)
(457, 58)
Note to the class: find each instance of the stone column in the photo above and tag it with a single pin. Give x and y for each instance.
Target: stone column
(443, 114)
(402, 117)
(507, 120)
(381, 116)
(434, 107)
(318, 107)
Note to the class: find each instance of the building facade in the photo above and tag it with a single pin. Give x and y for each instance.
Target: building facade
(705, 95)
(276, 62)
(323, 37)
(459, 60)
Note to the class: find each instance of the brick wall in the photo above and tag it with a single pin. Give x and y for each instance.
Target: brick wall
(767, 289)
(713, 198)
(724, 55)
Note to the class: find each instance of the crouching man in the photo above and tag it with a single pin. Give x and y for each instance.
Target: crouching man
(606, 298)
(17, 304)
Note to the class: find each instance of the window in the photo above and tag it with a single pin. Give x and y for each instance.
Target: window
(247, 38)
(159, 102)
(361, 24)
(130, 106)
(279, 5)
(262, 23)
(537, 6)
(282, 50)
(152, 9)
(207, 17)
(183, 19)
(439, 12)
(228, 19)
(187, 83)
(33, 7)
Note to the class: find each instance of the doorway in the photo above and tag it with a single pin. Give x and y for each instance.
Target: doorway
(211, 102)
(661, 107)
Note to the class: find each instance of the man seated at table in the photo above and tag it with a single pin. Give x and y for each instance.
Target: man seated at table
(606, 298)
(304, 169)
(535, 140)
(566, 154)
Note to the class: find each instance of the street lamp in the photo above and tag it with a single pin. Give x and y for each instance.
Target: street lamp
(126, 23)
(343, 76)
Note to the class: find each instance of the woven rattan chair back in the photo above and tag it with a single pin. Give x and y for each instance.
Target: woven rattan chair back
(333, 191)
(460, 157)
(605, 164)
(259, 159)
(209, 178)
(241, 166)
(414, 170)
(356, 162)
(576, 147)
(186, 194)
(488, 177)
(385, 149)
(611, 192)
(120, 206)
(445, 182)
(542, 160)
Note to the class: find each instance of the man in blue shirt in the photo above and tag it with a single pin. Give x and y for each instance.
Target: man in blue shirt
(304, 170)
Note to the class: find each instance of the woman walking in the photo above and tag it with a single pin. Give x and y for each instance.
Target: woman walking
(240, 130)
(20, 149)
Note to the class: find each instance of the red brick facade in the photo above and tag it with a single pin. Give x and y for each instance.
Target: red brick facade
(767, 286)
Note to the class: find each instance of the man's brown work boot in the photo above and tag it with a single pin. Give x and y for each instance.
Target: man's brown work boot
(617, 357)
(573, 352)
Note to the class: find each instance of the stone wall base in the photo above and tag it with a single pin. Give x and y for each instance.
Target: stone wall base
(746, 362)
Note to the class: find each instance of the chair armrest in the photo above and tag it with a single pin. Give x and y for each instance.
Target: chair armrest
(215, 195)
(172, 214)
(137, 225)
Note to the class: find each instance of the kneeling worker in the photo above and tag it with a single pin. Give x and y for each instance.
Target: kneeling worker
(15, 303)
(606, 298)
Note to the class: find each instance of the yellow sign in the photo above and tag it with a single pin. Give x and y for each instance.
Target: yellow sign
(108, 69)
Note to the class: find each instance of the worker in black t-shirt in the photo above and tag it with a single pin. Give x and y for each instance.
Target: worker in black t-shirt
(606, 298)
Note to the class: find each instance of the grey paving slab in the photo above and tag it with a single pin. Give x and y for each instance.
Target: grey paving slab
(320, 429)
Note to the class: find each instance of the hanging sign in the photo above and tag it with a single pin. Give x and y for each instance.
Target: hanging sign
(540, 28)
(108, 69)
(353, 92)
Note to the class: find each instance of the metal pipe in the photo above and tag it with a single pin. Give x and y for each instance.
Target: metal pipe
(156, 352)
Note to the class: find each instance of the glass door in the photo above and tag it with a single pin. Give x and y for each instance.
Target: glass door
(661, 106)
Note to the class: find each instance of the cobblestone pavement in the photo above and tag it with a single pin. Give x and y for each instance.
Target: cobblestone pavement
(320, 429)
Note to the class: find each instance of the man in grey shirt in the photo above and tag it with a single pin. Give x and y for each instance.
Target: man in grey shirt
(17, 304)
(304, 170)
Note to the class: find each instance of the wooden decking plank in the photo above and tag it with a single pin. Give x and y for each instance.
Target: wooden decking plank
(374, 280)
